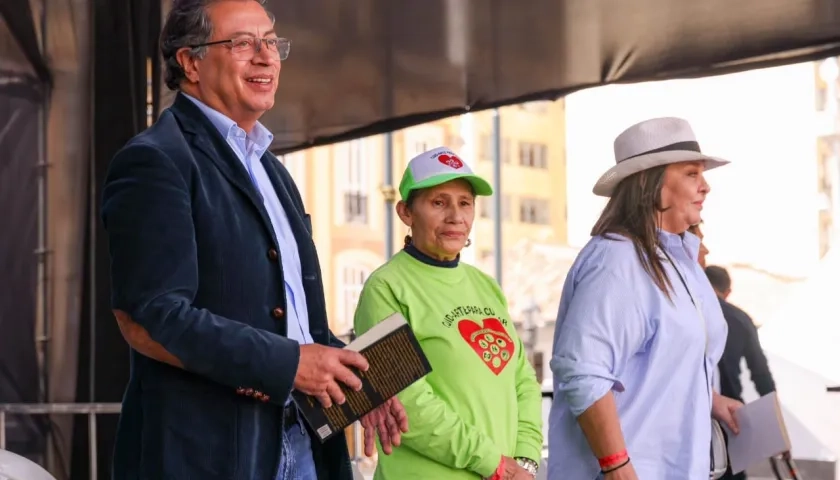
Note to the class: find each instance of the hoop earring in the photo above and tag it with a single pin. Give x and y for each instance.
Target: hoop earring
(407, 239)
(469, 242)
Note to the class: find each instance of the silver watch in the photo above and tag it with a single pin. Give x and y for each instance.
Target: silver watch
(529, 465)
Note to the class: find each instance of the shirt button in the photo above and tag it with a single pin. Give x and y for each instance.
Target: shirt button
(272, 255)
(277, 312)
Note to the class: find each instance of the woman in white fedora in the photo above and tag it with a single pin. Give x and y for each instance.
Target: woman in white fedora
(633, 357)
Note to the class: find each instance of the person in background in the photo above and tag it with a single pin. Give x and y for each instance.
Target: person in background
(478, 413)
(633, 357)
(742, 340)
(703, 251)
(215, 281)
(741, 343)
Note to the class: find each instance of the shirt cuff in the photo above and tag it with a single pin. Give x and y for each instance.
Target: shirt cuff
(583, 384)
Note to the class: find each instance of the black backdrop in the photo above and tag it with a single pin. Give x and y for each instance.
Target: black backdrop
(19, 105)
(125, 34)
(366, 66)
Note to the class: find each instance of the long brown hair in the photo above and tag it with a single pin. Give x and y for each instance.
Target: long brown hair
(632, 212)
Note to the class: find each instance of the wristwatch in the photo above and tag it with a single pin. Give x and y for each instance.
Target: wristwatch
(529, 465)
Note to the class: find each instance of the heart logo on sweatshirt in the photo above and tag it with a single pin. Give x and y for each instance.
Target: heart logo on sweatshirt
(490, 341)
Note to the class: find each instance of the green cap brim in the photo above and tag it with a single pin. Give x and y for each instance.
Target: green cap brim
(480, 185)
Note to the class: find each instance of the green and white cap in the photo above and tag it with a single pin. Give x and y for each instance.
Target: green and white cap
(437, 166)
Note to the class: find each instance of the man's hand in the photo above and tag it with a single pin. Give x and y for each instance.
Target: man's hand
(389, 421)
(723, 410)
(321, 368)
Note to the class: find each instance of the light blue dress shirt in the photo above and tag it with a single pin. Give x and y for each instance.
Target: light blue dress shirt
(249, 148)
(617, 331)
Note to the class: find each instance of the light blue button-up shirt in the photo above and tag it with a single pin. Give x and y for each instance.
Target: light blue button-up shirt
(617, 331)
(249, 148)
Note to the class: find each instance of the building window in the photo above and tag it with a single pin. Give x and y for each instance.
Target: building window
(352, 280)
(533, 155)
(486, 205)
(353, 161)
(535, 211)
(295, 163)
(487, 149)
(422, 138)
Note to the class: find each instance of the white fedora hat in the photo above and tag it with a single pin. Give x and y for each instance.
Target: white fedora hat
(652, 143)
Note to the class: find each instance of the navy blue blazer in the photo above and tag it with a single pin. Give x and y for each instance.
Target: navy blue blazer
(195, 261)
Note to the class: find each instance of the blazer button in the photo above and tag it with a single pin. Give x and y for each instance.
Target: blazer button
(277, 312)
(272, 255)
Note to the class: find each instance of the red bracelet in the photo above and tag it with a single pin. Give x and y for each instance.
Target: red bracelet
(611, 460)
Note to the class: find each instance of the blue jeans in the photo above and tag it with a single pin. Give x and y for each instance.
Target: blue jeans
(296, 461)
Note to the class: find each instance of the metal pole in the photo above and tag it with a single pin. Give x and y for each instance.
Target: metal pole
(42, 251)
(388, 190)
(389, 194)
(497, 194)
(93, 189)
(94, 467)
(2, 430)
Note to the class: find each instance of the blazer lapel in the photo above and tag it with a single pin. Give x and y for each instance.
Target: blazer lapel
(293, 212)
(204, 137)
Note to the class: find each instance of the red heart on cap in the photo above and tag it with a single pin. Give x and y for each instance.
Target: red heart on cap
(450, 161)
(490, 341)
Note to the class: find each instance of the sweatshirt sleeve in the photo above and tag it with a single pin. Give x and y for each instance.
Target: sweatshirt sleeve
(435, 430)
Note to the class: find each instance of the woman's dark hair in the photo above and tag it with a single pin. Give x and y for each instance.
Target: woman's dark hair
(695, 229)
(187, 23)
(632, 212)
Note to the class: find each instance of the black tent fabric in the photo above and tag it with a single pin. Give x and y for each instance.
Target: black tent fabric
(23, 78)
(360, 67)
(18, 244)
(17, 15)
(127, 31)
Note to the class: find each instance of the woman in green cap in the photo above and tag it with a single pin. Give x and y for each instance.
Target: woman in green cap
(478, 414)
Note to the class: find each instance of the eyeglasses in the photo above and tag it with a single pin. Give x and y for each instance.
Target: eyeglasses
(245, 47)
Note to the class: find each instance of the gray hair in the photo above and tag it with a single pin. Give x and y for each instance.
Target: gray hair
(187, 23)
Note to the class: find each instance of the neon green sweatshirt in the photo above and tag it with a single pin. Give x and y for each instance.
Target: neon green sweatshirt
(482, 399)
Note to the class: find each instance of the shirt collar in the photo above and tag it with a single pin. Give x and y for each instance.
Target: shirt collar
(689, 242)
(414, 252)
(260, 135)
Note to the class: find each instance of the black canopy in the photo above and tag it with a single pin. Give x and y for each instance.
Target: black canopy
(369, 66)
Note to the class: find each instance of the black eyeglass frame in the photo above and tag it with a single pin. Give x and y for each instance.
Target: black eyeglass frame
(284, 45)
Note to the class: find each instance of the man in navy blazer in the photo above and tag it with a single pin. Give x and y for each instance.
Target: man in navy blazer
(215, 278)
